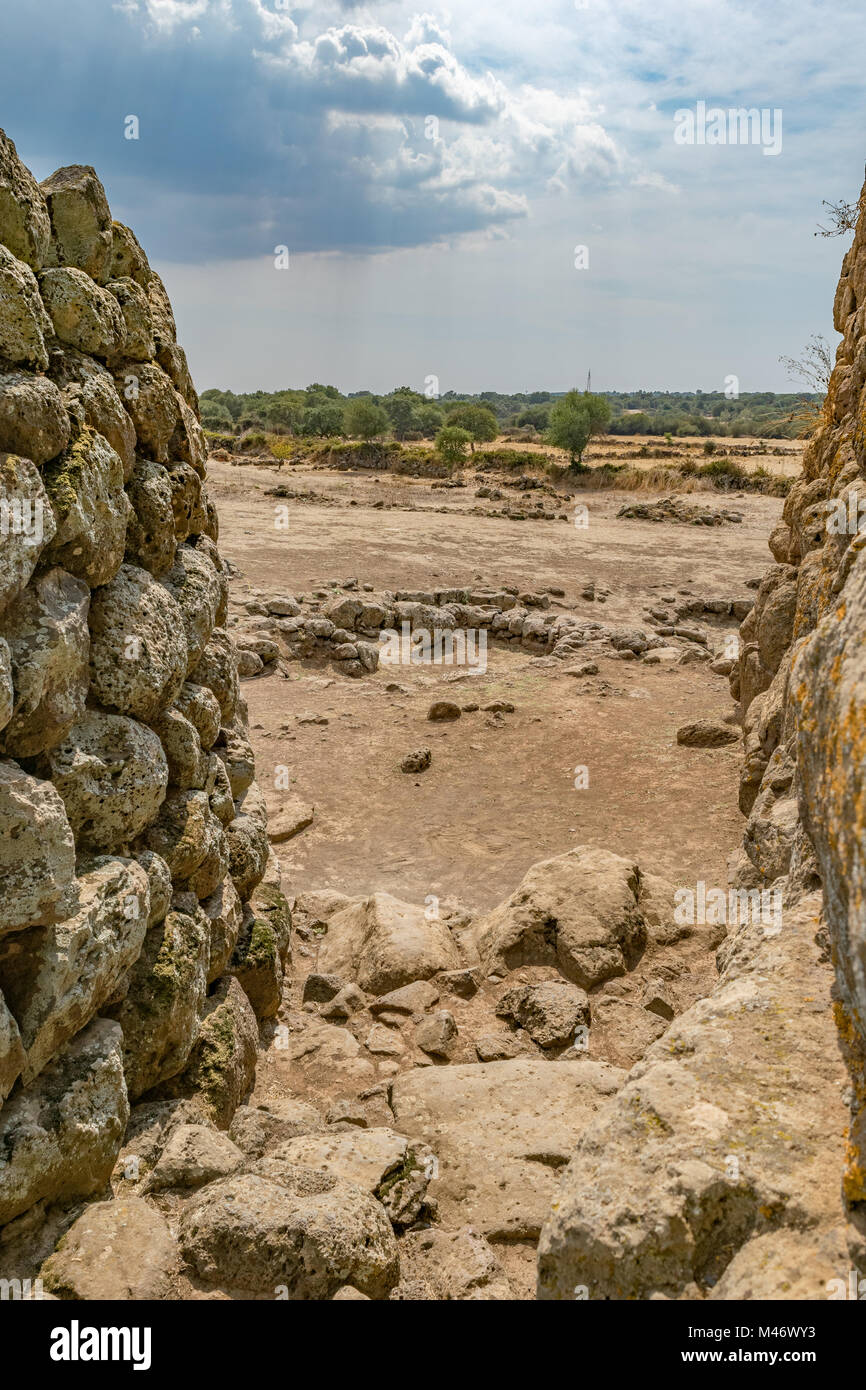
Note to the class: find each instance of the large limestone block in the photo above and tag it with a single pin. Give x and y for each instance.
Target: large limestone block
(49, 646)
(257, 1128)
(828, 688)
(199, 705)
(288, 1231)
(188, 440)
(24, 324)
(500, 1131)
(24, 224)
(187, 764)
(383, 943)
(33, 418)
(187, 501)
(85, 485)
(80, 221)
(112, 775)
(261, 950)
(172, 359)
(225, 913)
(88, 390)
(256, 965)
(365, 1157)
(188, 836)
(217, 670)
(150, 534)
(579, 912)
(269, 903)
(459, 1266)
(248, 843)
(219, 789)
(731, 1128)
(236, 753)
(37, 852)
(7, 693)
(194, 1155)
(766, 631)
(196, 587)
(152, 403)
(161, 313)
(12, 1054)
(27, 524)
(204, 545)
(160, 1014)
(84, 315)
(214, 867)
(159, 885)
(56, 978)
(115, 1251)
(222, 1064)
(59, 1137)
(138, 650)
(127, 257)
(138, 342)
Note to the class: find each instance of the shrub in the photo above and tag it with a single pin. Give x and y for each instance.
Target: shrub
(364, 419)
(452, 444)
(479, 423)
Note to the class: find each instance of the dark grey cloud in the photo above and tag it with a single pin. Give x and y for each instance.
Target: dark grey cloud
(255, 130)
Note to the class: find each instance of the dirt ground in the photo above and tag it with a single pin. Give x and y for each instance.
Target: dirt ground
(500, 792)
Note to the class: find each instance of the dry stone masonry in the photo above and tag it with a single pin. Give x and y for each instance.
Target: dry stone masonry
(801, 681)
(142, 928)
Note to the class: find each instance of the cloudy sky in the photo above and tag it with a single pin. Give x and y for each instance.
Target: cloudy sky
(434, 174)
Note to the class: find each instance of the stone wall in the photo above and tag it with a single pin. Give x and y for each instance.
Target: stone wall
(142, 929)
(802, 682)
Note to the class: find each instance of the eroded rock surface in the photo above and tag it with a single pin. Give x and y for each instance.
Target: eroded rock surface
(121, 903)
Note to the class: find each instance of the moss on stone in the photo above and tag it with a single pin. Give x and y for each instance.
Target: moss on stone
(398, 1174)
(62, 477)
(262, 950)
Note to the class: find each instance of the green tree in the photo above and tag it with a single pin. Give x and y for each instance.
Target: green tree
(216, 416)
(281, 414)
(479, 422)
(451, 444)
(363, 419)
(430, 419)
(403, 407)
(324, 420)
(574, 419)
(536, 416)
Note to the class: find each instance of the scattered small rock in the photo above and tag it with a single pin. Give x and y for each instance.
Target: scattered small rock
(321, 988)
(550, 1012)
(497, 1047)
(442, 710)
(707, 733)
(418, 761)
(290, 820)
(384, 1042)
(436, 1033)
